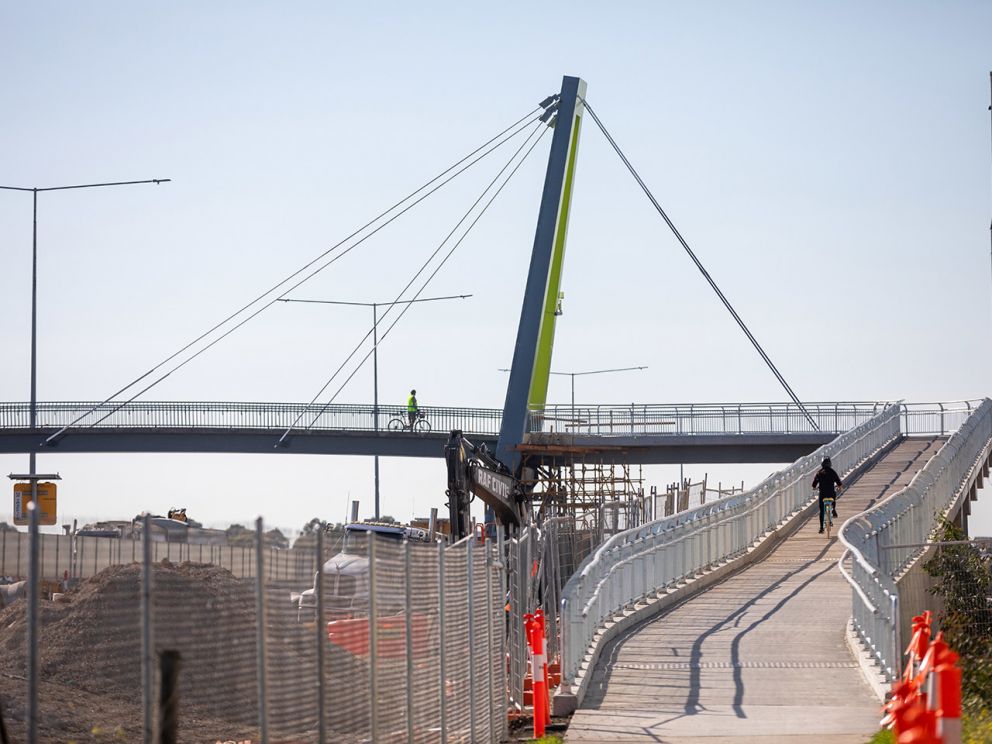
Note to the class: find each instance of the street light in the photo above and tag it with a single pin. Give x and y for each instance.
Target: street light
(33, 419)
(573, 375)
(375, 355)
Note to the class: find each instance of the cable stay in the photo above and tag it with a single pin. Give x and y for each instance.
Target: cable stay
(540, 130)
(424, 191)
(702, 269)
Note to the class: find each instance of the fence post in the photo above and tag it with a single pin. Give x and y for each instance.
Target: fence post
(33, 615)
(470, 571)
(147, 666)
(373, 641)
(321, 641)
(169, 697)
(441, 638)
(490, 666)
(263, 711)
(408, 589)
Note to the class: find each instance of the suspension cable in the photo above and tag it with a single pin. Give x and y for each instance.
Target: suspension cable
(426, 283)
(517, 127)
(702, 269)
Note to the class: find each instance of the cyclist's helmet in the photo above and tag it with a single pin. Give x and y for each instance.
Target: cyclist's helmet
(413, 392)
(826, 462)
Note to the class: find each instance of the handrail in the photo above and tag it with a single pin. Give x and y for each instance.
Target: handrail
(894, 532)
(633, 564)
(700, 418)
(697, 420)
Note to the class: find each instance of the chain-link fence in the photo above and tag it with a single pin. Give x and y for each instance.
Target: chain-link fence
(394, 640)
(960, 589)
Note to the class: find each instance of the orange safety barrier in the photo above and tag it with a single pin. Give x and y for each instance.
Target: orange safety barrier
(543, 628)
(924, 707)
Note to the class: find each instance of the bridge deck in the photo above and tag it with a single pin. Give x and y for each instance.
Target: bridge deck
(759, 657)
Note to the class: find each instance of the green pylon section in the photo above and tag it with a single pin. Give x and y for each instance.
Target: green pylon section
(538, 397)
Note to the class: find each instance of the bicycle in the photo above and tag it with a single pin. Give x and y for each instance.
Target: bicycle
(828, 519)
(420, 424)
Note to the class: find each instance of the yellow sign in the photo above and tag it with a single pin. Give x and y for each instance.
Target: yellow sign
(46, 502)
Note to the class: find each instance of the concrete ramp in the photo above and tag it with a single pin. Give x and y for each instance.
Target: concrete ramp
(759, 657)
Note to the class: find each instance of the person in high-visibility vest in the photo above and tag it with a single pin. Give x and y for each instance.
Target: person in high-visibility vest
(411, 407)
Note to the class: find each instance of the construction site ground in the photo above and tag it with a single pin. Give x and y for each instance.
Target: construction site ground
(90, 660)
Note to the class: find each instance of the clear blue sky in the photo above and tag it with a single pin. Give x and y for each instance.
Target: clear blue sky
(829, 162)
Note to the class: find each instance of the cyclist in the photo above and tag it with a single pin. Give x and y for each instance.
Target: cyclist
(411, 408)
(826, 478)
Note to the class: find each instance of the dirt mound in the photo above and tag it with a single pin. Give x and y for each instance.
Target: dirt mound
(92, 639)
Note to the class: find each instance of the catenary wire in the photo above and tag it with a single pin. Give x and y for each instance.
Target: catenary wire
(424, 285)
(423, 268)
(702, 269)
(517, 128)
(433, 273)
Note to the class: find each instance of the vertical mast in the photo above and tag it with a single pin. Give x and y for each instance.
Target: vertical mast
(528, 385)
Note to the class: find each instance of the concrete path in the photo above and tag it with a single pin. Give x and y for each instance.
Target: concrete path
(760, 657)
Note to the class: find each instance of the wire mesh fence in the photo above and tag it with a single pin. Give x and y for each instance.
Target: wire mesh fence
(960, 593)
(378, 639)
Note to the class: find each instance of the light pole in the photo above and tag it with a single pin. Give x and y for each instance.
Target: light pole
(33, 420)
(573, 375)
(375, 355)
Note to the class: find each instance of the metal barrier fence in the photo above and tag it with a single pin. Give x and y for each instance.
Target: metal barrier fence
(600, 420)
(642, 561)
(399, 641)
(64, 557)
(884, 541)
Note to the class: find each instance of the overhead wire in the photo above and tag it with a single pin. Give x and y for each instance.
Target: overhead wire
(702, 269)
(435, 272)
(506, 134)
(408, 305)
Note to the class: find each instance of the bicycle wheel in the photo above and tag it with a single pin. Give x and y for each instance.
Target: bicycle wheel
(422, 426)
(396, 424)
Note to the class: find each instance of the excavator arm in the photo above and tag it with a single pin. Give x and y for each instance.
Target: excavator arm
(472, 470)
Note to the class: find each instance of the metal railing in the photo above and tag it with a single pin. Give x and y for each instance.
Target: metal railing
(701, 418)
(885, 540)
(244, 416)
(647, 560)
(599, 420)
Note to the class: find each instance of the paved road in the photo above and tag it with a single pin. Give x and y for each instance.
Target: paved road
(760, 657)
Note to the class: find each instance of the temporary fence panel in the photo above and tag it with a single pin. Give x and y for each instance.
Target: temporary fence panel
(208, 616)
(424, 641)
(364, 666)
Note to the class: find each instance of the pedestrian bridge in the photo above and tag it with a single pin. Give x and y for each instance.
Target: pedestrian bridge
(639, 433)
(732, 622)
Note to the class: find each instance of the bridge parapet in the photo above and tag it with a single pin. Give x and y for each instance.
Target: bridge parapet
(176, 415)
(884, 542)
(598, 420)
(681, 419)
(655, 563)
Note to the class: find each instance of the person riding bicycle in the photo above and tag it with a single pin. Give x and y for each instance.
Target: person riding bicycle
(826, 478)
(411, 408)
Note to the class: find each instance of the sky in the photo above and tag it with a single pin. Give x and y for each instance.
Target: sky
(828, 162)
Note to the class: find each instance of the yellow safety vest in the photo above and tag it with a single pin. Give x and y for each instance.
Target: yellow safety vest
(411, 404)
